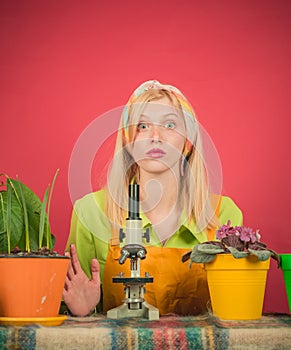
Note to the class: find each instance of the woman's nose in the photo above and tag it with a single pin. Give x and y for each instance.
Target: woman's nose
(156, 133)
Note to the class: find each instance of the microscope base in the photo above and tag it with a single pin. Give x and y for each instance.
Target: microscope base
(122, 311)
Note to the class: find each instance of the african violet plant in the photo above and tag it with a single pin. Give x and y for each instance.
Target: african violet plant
(240, 241)
(24, 218)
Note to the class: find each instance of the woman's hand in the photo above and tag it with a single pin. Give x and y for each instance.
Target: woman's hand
(80, 294)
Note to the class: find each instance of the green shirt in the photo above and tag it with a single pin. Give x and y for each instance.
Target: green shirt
(91, 231)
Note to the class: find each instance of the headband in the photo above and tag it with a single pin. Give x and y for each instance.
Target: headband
(187, 110)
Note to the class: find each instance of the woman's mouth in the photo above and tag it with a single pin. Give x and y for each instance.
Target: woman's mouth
(156, 153)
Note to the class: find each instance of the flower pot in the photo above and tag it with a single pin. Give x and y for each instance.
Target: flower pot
(31, 286)
(237, 286)
(286, 268)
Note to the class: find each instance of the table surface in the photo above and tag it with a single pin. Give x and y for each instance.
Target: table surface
(169, 332)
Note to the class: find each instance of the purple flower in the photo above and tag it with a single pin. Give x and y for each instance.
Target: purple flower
(248, 235)
(240, 241)
(245, 234)
(225, 230)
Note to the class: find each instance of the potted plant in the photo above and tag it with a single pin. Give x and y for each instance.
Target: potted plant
(236, 264)
(32, 275)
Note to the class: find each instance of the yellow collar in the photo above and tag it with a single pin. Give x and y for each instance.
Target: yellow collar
(189, 225)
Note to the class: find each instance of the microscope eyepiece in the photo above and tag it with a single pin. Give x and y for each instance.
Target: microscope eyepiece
(133, 203)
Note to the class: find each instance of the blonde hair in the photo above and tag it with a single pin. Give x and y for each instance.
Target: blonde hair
(194, 193)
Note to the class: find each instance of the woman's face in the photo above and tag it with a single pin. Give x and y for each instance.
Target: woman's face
(160, 137)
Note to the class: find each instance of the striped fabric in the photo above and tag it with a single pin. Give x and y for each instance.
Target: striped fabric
(170, 332)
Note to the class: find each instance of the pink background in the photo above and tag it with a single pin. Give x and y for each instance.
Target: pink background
(64, 62)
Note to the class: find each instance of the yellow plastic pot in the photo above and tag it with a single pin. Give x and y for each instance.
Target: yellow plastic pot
(237, 286)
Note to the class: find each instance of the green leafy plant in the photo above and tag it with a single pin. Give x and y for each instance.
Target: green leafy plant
(24, 218)
(240, 241)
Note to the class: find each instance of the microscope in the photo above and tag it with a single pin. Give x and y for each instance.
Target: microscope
(134, 304)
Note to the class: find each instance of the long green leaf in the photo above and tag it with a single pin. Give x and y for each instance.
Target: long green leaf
(10, 182)
(25, 228)
(16, 226)
(27, 241)
(33, 206)
(3, 212)
(48, 233)
(8, 222)
(42, 218)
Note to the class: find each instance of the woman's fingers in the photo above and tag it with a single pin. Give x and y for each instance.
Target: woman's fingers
(67, 283)
(70, 272)
(95, 270)
(80, 294)
(74, 259)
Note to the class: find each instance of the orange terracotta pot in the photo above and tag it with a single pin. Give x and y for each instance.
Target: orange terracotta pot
(31, 286)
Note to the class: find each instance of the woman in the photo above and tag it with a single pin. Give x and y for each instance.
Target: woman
(159, 147)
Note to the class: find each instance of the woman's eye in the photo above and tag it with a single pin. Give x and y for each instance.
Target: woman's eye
(170, 125)
(142, 126)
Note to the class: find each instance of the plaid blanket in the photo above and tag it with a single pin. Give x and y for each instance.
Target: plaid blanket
(170, 332)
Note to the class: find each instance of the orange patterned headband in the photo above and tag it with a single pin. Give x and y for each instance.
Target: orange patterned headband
(154, 84)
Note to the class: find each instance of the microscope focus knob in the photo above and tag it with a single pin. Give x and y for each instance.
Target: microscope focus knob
(124, 255)
(141, 253)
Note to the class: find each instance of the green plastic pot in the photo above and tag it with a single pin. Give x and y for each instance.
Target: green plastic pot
(286, 268)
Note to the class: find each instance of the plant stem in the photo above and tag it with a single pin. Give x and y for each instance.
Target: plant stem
(27, 241)
(8, 218)
(42, 219)
(48, 236)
